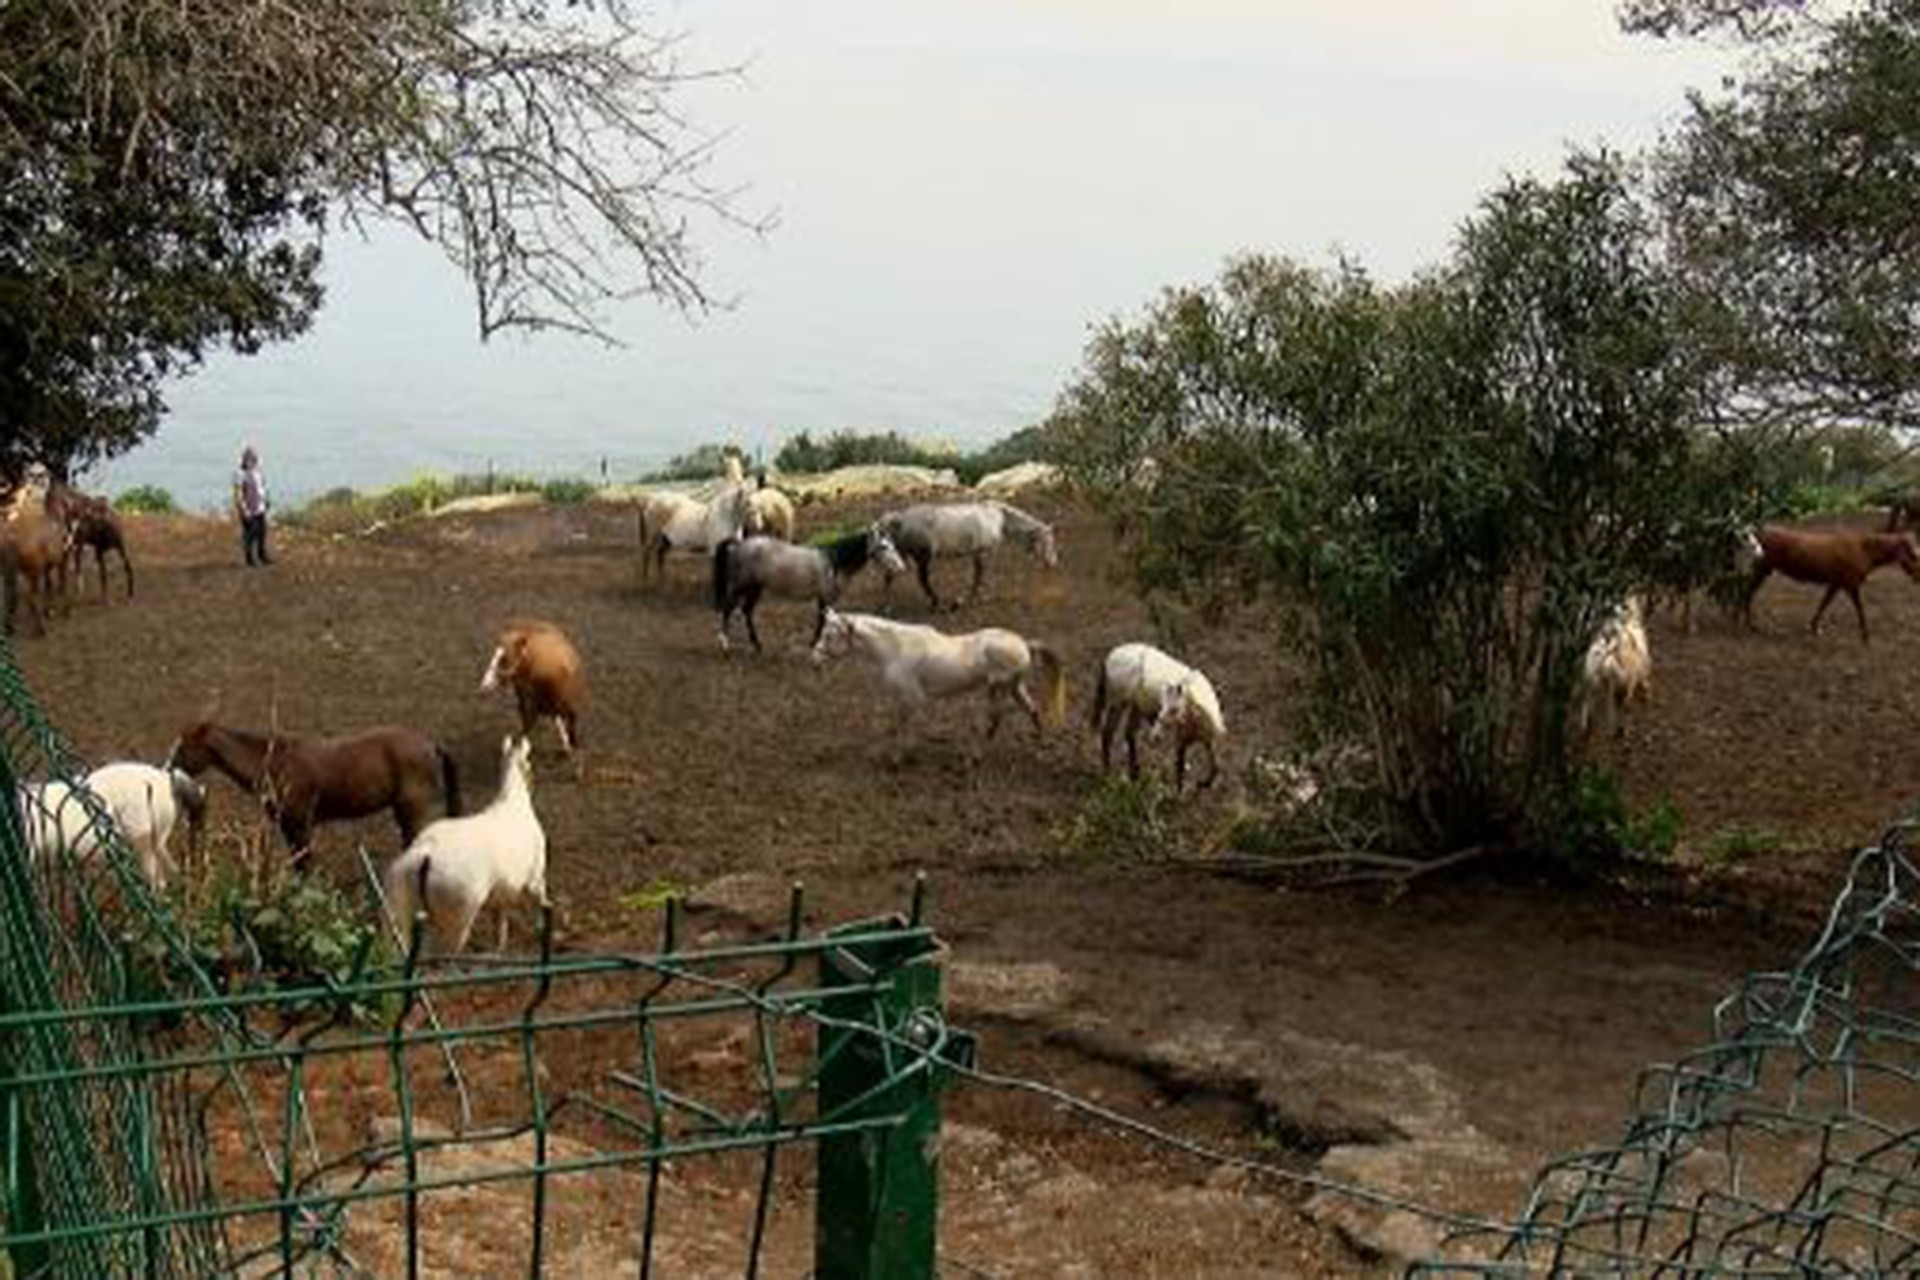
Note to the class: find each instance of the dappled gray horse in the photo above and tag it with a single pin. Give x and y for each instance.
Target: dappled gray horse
(931, 530)
(745, 568)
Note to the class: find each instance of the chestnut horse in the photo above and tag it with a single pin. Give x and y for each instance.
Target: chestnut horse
(33, 546)
(1837, 559)
(90, 523)
(303, 780)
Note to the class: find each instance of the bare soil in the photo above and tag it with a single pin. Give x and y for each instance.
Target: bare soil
(1439, 1043)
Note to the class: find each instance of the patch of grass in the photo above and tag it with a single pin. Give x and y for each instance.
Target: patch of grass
(146, 498)
(346, 510)
(1120, 820)
(1598, 824)
(654, 897)
(1736, 843)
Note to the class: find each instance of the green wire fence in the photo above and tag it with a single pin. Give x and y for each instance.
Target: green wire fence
(159, 1118)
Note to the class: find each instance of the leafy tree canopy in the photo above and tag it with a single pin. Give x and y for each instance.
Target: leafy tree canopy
(168, 167)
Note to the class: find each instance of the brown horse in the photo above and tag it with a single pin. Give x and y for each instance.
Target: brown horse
(33, 547)
(303, 780)
(95, 524)
(1836, 559)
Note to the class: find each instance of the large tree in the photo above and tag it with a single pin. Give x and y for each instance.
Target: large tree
(168, 168)
(1789, 196)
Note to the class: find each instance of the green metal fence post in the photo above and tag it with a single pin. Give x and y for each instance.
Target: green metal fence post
(876, 1215)
(21, 1202)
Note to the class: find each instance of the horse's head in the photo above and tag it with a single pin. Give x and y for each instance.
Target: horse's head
(192, 752)
(836, 636)
(1044, 547)
(881, 551)
(1908, 557)
(508, 657)
(516, 760)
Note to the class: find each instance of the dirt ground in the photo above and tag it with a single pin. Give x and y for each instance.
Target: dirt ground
(1439, 1044)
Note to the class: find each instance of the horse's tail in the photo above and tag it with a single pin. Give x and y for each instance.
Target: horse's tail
(1053, 698)
(1099, 696)
(449, 782)
(723, 572)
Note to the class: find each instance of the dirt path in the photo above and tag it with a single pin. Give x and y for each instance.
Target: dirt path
(1442, 1043)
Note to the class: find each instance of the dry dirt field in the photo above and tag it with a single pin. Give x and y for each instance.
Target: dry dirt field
(1440, 1043)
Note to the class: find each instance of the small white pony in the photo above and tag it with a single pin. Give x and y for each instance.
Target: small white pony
(144, 802)
(458, 865)
(1617, 670)
(1138, 683)
(919, 663)
(680, 522)
(932, 531)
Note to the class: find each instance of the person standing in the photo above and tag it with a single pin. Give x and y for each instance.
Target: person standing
(251, 504)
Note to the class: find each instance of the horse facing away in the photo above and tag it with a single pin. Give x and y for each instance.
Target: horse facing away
(143, 802)
(918, 663)
(931, 531)
(1138, 684)
(680, 522)
(304, 780)
(746, 568)
(1836, 559)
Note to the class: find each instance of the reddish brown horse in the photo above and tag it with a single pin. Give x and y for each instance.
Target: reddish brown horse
(1837, 559)
(303, 780)
(91, 523)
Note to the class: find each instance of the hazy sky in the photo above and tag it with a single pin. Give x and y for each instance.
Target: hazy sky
(963, 188)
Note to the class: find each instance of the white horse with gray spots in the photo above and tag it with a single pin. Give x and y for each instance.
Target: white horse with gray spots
(918, 664)
(745, 569)
(1138, 684)
(931, 531)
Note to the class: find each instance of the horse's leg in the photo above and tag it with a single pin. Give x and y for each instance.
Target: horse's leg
(752, 602)
(1825, 600)
(523, 702)
(922, 563)
(406, 819)
(1180, 764)
(1853, 594)
(1760, 574)
(996, 708)
(979, 577)
(100, 563)
(1109, 725)
(126, 566)
(569, 731)
(1133, 744)
(297, 830)
(1025, 699)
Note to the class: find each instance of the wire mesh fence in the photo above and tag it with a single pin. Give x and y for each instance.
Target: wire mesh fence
(167, 1118)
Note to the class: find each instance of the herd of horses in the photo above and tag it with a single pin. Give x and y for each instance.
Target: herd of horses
(47, 530)
(455, 862)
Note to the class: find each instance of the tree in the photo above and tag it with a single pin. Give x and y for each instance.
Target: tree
(168, 167)
(1446, 486)
(1788, 200)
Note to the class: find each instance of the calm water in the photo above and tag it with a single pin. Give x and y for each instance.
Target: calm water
(963, 188)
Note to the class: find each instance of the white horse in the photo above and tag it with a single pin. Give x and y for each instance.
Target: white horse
(770, 512)
(145, 803)
(919, 663)
(679, 522)
(1617, 669)
(934, 530)
(458, 865)
(1138, 683)
(745, 570)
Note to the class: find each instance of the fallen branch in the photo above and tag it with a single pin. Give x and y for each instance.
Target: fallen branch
(1349, 867)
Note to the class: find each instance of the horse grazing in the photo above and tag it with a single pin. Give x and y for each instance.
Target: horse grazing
(744, 569)
(458, 865)
(303, 780)
(919, 663)
(1617, 669)
(143, 802)
(1836, 559)
(677, 522)
(1138, 683)
(543, 668)
(929, 531)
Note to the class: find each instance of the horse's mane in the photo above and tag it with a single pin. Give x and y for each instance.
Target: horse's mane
(848, 553)
(1020, 523)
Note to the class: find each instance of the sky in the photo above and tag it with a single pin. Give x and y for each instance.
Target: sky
(961, 190)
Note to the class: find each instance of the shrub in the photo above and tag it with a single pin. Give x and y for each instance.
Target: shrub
(702, 463)
(567, 493)
(1120, 819)
(146, 498)
(1448, 485)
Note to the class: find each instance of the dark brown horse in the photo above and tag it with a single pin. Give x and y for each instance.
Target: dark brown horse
(1837, 559)
(302, 780)
(95, 524)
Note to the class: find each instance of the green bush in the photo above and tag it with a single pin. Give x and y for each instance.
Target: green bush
(702, 463)
(148, 498)
(1598, 824)
(803, 453)
(1120, 820)
(567, 493)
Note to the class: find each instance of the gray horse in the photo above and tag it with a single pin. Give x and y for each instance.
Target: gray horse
(923, 533)
(745, 568)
